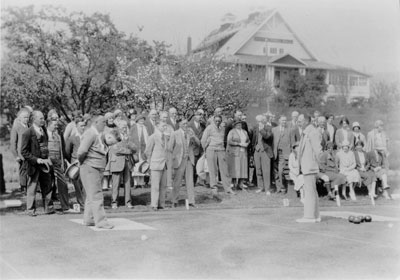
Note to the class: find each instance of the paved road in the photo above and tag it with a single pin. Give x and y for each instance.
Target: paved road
(224, 243)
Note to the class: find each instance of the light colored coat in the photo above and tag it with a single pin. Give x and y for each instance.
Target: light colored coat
(310, 150)
(156, 151)
(121, 152)
(176, 145)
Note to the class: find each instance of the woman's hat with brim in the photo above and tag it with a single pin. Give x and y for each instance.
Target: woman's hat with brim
(72, 171)
(356, 124)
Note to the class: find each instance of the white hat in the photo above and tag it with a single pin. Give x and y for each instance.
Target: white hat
(356, 124)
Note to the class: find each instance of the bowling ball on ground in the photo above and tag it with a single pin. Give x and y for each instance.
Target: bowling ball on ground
(361, 218)
(357, 220)
(368, 219)
(351, 219)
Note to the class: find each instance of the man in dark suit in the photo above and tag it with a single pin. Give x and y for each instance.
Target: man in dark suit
(34, 149)
(282, 144)
(150, 122)
(172, 118)
(197, 125)
(321, 121)
(261, 141)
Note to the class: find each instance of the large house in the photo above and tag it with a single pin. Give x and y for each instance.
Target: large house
(265, 41)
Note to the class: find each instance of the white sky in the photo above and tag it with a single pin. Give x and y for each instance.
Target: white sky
(363, 34)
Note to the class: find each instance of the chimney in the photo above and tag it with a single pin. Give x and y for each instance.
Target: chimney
(189, 46)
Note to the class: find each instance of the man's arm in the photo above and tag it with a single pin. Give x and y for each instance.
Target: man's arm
(26, 148)
(14, 141)
(204, 138)
(87, 141)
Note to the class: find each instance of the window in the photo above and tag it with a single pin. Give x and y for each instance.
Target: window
(281, 51)
(362, 81)
(273, 50)
(353, 81)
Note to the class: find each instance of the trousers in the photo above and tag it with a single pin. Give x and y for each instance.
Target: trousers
(186, 168)
(262, 163)
(158, 187)
(125, 175)
(311, 208)
(94, 203)
(216, 161)
(44, 180)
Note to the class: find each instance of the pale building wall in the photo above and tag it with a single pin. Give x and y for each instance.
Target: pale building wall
(275, 29)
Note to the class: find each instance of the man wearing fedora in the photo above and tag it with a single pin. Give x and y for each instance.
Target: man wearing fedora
(121, 163)
(34, 149)
(181, 144)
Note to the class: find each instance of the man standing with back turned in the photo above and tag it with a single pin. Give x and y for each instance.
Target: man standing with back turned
(309, 152)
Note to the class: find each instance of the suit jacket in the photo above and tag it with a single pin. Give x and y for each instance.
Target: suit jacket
(310, 150)
(332, 138)
(30, 148)
(156, 151)
(295, 134)
(120, 153)
(371, 140)
(176, 145)
(174, 126)
(283, 139)
(325, 138)
(197, 149)
(16, 138)
(267, 140)
(149, 126)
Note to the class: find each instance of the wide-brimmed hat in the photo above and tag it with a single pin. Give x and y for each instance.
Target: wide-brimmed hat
(72, 171)
(356, 124)
(139, 117)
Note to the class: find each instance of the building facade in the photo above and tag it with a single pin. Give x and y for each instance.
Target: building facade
(265, 41)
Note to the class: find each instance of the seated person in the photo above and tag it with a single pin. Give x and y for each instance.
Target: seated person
(329, 171)
(294, 171)
(347, 167)
(363, 166)
(377, 161)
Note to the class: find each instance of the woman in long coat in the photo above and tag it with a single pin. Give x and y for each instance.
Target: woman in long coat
(236, 151)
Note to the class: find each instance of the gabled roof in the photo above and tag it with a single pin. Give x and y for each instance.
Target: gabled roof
(287, 59)
(241, 32)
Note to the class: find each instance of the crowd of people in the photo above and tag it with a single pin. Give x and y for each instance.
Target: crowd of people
(160, 148)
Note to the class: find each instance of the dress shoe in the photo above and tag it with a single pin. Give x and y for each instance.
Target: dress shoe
(114, 205)
(268, 193)
(105, 226)
(153, 209)
(89, 224)
(160, 208)
(193, 205)
(308, 220)
(259, 190)
(129, 205)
